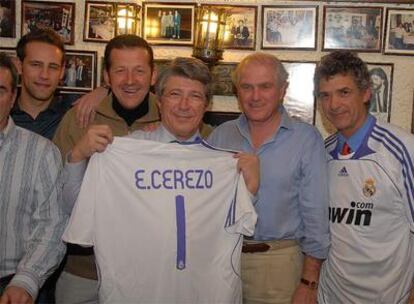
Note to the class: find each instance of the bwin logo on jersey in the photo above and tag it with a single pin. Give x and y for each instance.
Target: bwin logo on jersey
(343, 172)
(359, 213)
(369, 188)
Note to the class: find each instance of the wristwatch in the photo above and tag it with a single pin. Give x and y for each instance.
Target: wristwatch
(311, 284)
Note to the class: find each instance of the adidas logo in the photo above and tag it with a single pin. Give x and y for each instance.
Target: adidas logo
(343, 172)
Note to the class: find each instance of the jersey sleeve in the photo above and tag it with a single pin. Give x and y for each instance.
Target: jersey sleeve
(241, 216)
(80, 229)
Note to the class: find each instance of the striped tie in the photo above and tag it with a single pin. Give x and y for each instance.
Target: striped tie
(346, 149)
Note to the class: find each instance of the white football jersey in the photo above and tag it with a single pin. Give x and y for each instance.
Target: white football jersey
(166, 222)
(371, 219)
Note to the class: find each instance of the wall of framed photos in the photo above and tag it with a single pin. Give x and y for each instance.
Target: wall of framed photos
(298, 32)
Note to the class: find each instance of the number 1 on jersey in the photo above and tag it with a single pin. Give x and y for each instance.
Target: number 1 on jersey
(180, 219)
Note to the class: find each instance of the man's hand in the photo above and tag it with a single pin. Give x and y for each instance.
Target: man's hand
(304, 295)
(96, 139)
(310, 272)
(86, 106)
(249, 165)
(15, 295)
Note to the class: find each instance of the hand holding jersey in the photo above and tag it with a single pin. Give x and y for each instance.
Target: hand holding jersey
(182, 101)
(96, 139)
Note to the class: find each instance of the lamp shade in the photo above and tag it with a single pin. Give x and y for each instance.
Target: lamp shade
(211, 22)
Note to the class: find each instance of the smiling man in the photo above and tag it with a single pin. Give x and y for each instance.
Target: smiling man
(371, 178)
(281, 263)
(183, 95)
(42, 57)
(31, 219)
(129, 70)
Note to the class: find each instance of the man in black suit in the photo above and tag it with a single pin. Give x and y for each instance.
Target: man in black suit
(242, 34)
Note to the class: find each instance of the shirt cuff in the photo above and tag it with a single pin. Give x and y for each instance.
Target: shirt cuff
(28, 281)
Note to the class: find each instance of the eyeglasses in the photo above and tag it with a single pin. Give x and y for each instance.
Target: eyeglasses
(176, 96)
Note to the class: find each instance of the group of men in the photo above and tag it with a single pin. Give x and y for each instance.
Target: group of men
(334, 220)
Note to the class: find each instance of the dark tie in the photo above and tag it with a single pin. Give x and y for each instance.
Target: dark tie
(346, 149)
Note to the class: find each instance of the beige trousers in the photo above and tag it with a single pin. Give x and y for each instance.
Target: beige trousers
(271, 276)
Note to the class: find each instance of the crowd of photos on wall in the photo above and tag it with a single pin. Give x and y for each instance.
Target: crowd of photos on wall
(289, 27)
(58, 16)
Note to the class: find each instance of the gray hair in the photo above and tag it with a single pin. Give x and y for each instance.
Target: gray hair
(190, 68)
(262, 59)
(7, 63)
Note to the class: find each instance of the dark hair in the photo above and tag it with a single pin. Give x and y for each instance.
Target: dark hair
(342, 62)
(127, 41)
(41, 35)
(7, 63)
(379, 72)
(190, 68)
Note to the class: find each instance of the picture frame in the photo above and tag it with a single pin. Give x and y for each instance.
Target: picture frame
(58, 16)
(412, 118)
(102, 20)
(352, 28)
(381, 88)
(399, 32)
(80, 71)
(299, 100)
(289, 27)
(240, 31)
(169, 23)
(222, 78)
(11, 52)
(7, 19)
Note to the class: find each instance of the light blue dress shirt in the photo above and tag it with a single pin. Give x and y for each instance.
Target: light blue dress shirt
(293, 194)
(358, 137)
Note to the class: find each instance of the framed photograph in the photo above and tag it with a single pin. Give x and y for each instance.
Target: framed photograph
(299, 100)
(105, 20)
(289, 27)
(80, 71)
(381, 85)
(240, 32)
(11, 52)
(412, 119)
(58, 16)
(399, 33)
(222, 82)
(170, 23)
(352, 28)
(8, 18)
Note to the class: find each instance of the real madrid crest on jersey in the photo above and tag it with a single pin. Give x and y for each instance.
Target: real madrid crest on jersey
(369, 188)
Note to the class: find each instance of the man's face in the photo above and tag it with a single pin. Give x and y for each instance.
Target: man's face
(259, 94)
(42, 69)
(343, 103)
(182, 106)
(376, 82)
(130, 76)
(7, 96)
